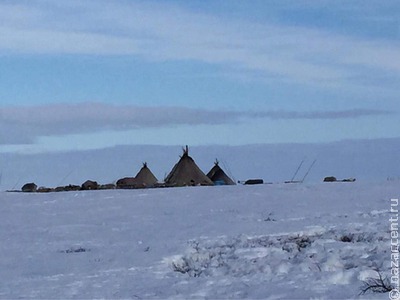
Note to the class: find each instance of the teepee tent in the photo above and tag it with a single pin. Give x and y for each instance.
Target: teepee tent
(218, 176)
(146, 177)
(186, 173)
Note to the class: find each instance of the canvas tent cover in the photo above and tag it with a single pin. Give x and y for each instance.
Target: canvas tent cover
(146, 177)
(218, 176)
(187, 173)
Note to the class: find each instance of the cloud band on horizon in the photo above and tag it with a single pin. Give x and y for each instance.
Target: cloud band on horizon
(24, 124)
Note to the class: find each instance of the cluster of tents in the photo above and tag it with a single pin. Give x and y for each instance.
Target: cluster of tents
(184, 173)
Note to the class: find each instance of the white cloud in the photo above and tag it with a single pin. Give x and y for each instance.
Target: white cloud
(156, 31)
(23, 125)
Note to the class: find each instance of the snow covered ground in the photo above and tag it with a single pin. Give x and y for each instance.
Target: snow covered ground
(281, 241)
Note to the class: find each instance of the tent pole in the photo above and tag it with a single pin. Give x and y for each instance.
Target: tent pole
(298, 169)
(309, 169)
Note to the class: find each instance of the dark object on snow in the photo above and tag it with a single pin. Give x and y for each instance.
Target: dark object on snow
(29, 188)
(346, 239)
(333, 179)
(109, 186)
(72, 187)
(43, 189)
(293, 181)
(68, 188)
(349, 180)
(59, 189)
(254, 181)
(145, 177)
(90, 185)
(75, 250)
(218, 176)
(128, 183)
(186, 173)
(330, 179)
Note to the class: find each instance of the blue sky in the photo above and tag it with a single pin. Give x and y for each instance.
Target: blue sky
(93, 74)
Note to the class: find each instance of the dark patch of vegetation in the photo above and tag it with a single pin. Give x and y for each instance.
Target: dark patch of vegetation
(346, 239)
(76, 250)
(376, 285)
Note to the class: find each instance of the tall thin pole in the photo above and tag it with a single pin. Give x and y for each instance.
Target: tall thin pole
(309, 169)
(298, 168)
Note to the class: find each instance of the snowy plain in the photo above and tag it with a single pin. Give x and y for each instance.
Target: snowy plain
(279, 241)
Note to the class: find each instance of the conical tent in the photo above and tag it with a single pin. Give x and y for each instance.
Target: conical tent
(218, 176)
(146, 177)
(187, 173)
